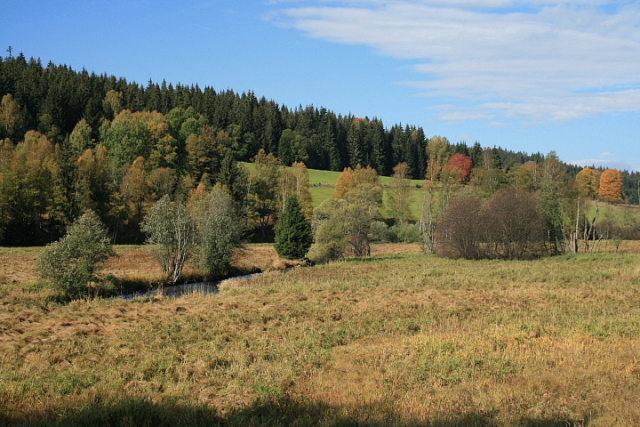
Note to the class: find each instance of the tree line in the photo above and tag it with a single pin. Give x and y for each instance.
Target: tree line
(76, 141)
(533, 212)
(476, 209)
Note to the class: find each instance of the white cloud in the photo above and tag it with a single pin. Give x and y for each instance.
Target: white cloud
(539, 60)
(458, 116)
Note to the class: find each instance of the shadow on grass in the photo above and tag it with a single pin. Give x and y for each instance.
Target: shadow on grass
(281, 412)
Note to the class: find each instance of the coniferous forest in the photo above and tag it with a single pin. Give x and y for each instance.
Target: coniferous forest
(75, 140)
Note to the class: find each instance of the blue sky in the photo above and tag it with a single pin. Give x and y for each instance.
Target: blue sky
(530, 75)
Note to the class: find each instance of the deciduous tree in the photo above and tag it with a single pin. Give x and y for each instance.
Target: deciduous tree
(350, 179)
(219, 230)
(342, 226)
(512, 224)
(80, 138)
(458, 234)
(438, 152)
(135, 191)
(262, 191)
(206, 150)
(72, 262)
(170, 235)
(10, 116)
(162, 182)
(93, 185)
(294, 181)
(460, 165)
(112, 104)
(31, 198)
(611, 186)
(587, 183)
(400, 194)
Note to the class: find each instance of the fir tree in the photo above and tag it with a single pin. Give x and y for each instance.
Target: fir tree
(293, 232)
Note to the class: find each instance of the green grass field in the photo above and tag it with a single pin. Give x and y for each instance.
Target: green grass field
(323, 184)
(626, 215)
(394, 340)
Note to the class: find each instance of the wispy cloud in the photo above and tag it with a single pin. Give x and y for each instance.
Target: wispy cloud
(527, 59)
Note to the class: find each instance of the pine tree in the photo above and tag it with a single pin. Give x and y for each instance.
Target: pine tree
(293, 232)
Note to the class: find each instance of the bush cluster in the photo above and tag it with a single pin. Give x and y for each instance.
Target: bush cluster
(397, 233)
(510, 225)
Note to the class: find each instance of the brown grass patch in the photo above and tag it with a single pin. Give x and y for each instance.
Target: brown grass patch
(402, 340)
(18, 265)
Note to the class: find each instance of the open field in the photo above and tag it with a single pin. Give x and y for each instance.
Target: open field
(323, 184)
(397, 339)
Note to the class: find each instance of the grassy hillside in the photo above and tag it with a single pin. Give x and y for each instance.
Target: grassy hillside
(402, 340)
(626, 215)
(323, 184)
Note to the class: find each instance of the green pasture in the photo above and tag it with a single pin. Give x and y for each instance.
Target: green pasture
(624, 215)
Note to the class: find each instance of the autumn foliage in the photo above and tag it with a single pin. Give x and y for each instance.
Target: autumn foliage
(462, 164)
(587, 183)
(349, 179)
(611, 185)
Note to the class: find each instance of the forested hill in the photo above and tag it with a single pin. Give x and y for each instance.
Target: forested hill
(53, 99)
(72, 141)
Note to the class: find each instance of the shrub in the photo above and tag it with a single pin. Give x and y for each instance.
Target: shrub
(458, 234)
(379, 232)
(405, 233)
(509, 226)
(513, 225)
(72, 262)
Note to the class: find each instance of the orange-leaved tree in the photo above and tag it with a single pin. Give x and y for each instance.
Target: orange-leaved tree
(611, 184)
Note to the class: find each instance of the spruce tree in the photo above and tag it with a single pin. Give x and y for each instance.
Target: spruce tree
(293, 232)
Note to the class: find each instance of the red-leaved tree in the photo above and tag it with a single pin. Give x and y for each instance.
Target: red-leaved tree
(462, 164)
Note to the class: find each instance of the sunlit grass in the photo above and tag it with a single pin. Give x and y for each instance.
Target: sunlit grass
(394, 340)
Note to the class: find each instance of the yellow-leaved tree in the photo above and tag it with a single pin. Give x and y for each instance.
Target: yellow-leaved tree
(587, 183)
(294, 181)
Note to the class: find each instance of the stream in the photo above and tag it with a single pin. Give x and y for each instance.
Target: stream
(178, 291)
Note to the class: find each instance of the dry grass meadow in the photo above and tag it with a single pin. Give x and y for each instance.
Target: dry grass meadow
(398, 339)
